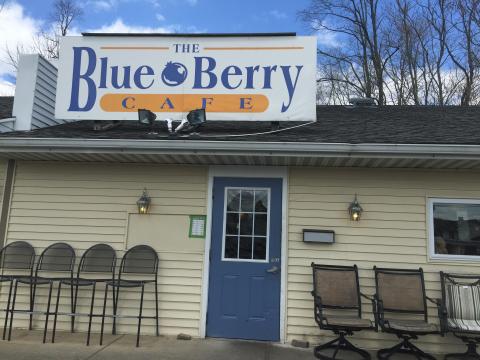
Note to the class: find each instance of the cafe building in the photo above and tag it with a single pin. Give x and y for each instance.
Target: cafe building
(242, 198)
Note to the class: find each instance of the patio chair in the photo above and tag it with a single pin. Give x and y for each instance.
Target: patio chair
(16, 260)
(138, 260)
(336, 289)
(460, 311)
(99, 259)
(402, 309)
(58, 257)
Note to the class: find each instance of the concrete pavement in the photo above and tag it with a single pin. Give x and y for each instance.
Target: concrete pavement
(27, 345)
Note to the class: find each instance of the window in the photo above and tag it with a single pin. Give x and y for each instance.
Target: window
(455, 228)
(246, 220)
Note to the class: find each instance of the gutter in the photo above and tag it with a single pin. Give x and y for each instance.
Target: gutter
(249, 148)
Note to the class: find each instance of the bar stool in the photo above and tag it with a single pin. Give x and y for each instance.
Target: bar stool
(58, 257)
(139, 260)
(100, 259)
(19, 257)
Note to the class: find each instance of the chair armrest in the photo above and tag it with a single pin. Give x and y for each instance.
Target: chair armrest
(374, 307)
(442, 316)
(434, 301)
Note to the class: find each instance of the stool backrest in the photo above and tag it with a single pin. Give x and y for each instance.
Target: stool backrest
(57, 257)
(18, 255)
(99, 258)
(140, 259)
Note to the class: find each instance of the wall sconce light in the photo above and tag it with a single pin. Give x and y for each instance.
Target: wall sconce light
(143, 203)
(355, 210)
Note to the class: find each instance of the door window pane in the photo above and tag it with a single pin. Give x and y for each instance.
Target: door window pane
(456, 228)
(261, 200)
(245, 251)
(246, 224)
(260, 248)
(260, 224)
(231, 247)
(247, 200)
(233, 200)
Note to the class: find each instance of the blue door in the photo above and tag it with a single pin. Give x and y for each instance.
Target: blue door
(244, 285)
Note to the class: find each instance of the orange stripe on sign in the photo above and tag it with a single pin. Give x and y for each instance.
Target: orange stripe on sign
(256, 48)
(134, 48)
(230, 103)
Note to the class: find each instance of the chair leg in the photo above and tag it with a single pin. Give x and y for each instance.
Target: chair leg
(140, 315)
(56, 312)
(7, 311)
(33, 290)
(339, 344)
(103, 314)
(405, 347)
(471, 353)
(114, 323)
(156, 306)
(12, 311)
(47, 314)
(91, 313)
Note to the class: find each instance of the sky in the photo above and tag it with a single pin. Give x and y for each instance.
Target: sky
(21, 19)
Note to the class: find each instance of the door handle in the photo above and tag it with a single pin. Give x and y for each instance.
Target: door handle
(273, 270)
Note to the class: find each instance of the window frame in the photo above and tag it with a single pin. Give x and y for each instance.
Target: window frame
(431, 233)
(267, 245)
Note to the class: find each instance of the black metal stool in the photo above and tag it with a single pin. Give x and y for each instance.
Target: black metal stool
(19, 257)
(98, 258)
(58, 257)
(141, 260)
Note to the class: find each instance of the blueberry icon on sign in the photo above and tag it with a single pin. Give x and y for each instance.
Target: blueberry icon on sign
(174, 73)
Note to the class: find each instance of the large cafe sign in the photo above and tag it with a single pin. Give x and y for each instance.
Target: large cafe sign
(233, 78)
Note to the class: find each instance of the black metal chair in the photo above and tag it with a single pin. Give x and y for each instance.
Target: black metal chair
(99, 259)
(139, 260)
(460, 311)
(336, 290)
(16, 260)
(58, 257)
(402, 292)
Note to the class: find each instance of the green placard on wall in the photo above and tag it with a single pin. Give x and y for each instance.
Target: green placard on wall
(198, 224)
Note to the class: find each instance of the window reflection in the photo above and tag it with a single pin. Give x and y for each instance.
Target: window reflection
(456, 228)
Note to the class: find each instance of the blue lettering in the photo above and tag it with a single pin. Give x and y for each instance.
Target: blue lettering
(206, 101)
(126, 77)
(77, 76)
(103, 73)
(250, 71)
(226, 74)
(199, 70)
(245, 101)
(125, 104)
(290, 87)
(137, 77)
(167, 102)
(268, 76)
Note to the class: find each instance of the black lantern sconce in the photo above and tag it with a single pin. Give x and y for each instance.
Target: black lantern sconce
(355, 210)
(143, 203)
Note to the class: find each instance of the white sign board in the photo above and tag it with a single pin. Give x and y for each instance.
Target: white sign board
(234, 78)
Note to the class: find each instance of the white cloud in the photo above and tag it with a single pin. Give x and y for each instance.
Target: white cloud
(6, 87)
(278, 14)
(326, 37)
(159, 17)
(102, 5)
(192, 2)
(16, 29)
(118, 26)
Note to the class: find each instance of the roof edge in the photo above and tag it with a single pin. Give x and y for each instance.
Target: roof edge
(269, 34)
(146, 146)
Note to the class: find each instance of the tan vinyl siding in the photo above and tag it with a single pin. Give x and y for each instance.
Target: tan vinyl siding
(3, 174)
(84, 204)
(391, 233)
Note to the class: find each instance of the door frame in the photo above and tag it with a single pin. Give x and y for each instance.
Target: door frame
(280, 172)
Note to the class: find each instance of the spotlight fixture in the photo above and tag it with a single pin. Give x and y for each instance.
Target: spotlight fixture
(355, 210)
(147, 117)
(195, 119)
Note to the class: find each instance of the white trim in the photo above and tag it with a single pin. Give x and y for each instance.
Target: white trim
(431, 235)
(256, 172)
(267, 244)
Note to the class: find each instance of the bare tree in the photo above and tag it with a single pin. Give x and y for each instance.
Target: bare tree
(64, 14)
